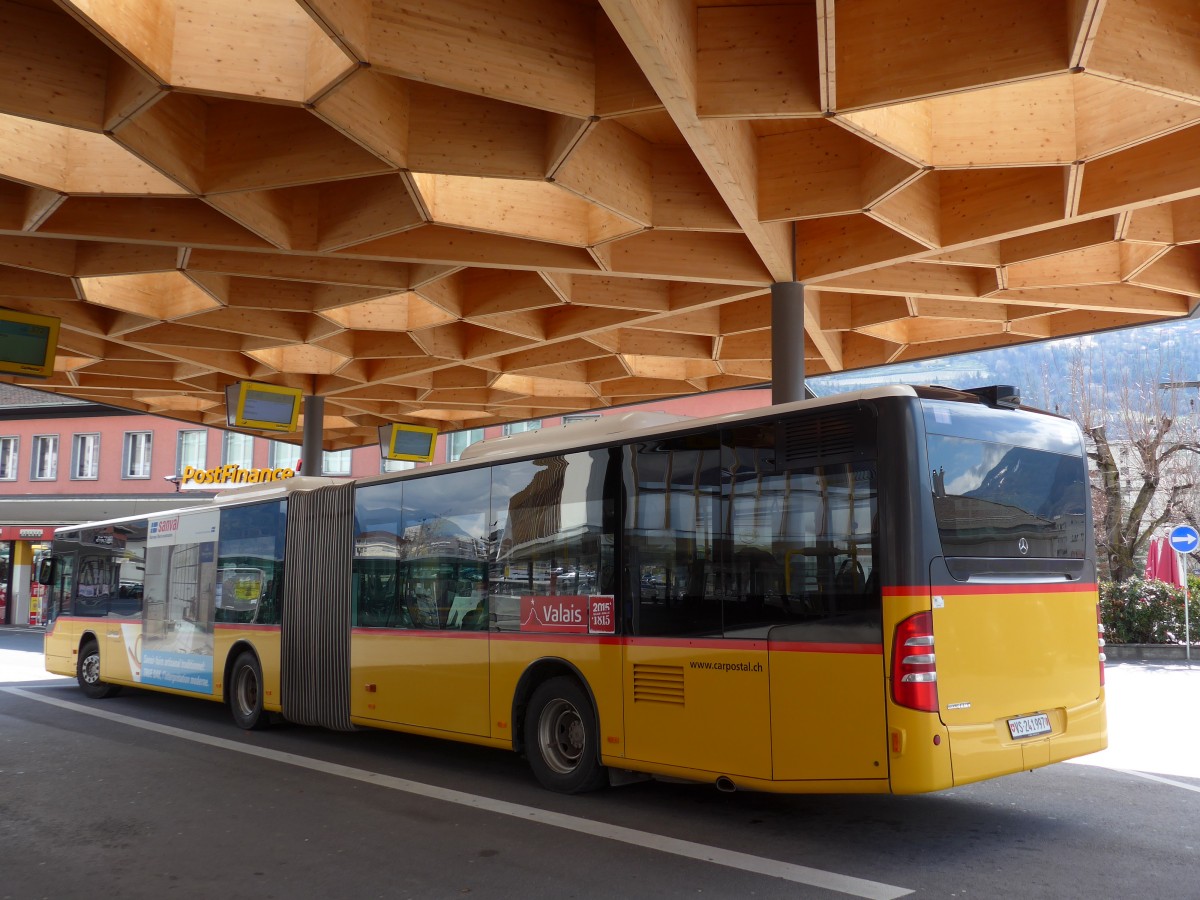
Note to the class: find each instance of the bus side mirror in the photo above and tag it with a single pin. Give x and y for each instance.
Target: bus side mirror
(45, 572)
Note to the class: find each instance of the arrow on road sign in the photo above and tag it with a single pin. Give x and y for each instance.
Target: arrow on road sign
(1184, 538)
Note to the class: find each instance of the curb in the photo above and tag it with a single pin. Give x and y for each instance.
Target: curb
(1123, 652)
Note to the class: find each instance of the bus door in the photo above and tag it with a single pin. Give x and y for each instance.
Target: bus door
(97, 596)
(61, 640)
(430, 669)
(419, 651)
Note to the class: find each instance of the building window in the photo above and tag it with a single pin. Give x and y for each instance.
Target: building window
(519, 427)
(136, 457)
(459, 441)
(193, 447)
(238, 449)
(335, 462)
(85, 457)
(8, 458)
(45, 458)
(580, 417)
(396, 465)
(282, 455)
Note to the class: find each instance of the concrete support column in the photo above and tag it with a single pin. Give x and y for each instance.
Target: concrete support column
(312, 451)
(787, 341)
(20, 600)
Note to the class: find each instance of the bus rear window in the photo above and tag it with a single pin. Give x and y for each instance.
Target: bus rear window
(994, 498)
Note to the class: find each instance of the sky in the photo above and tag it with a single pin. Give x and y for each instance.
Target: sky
(1149, 355)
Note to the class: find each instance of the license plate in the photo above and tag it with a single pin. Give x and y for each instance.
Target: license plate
(1029, 726)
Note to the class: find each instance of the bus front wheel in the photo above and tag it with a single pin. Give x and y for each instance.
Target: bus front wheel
(87, 673)
(246, 693)
(561, 738)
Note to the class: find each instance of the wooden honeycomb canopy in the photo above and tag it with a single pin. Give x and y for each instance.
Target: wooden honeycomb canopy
(464, 212)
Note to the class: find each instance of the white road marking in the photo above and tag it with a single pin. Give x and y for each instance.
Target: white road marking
(1160, 779)
(845, 884)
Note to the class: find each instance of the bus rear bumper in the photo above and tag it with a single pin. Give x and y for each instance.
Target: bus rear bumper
(978, 752)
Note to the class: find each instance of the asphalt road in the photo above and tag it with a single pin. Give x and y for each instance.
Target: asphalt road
(147, 795)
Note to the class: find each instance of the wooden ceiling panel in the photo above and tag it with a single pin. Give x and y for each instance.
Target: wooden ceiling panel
(63, 80)
(886, 52)
(466, 212)
(758, 61)
(1155, 43)
(536, 53)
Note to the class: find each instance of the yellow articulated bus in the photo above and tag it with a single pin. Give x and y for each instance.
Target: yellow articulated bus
(887, 591)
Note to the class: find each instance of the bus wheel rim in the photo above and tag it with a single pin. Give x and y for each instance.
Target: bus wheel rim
(91, 668)
(247, 692)
(561, 736)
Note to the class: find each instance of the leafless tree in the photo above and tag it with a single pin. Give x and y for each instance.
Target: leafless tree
(1144, 441)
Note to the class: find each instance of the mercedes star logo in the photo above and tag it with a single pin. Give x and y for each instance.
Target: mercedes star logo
(1023, 546)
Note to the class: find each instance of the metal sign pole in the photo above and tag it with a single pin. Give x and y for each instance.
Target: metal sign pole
(1187, 625)
(1185, 539)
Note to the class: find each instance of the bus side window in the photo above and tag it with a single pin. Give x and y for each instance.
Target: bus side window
(95, 589)
(250, 564)
(421, 552)
(802, 539)
(673, 533)
(62, 599)
(550, 535)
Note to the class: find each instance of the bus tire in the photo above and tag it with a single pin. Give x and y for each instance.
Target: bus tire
(561, 737)
(246, 693)
(87, 673)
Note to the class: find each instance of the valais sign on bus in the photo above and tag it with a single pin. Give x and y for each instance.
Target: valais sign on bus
(569, 614)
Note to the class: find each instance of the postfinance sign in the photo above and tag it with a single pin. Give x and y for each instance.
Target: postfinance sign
(230, 474)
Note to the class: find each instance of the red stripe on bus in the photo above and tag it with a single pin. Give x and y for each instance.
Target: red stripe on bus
(616, 640)
(419, 632)
(699, 643)
(826, 647)
(1022, 588)
(550, 638)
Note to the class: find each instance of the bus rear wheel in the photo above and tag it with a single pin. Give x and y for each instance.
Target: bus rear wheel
(246, 693)
(87, 673)
(561, 738)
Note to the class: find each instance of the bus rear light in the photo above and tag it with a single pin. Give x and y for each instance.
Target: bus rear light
(1100, 641)
(914, 664)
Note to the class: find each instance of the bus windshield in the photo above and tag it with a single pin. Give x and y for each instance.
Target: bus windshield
(1024, 496)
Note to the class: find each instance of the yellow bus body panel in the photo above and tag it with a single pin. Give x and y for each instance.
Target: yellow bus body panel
(828, 715)
(1002, 653)
(61, 646)
(120, 650)
(702, 705)
(422, 679)
(1013, 651)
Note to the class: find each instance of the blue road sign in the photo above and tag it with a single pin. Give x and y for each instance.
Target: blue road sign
(1184, 538)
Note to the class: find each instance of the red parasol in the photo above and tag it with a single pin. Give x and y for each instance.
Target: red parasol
(1167, 568)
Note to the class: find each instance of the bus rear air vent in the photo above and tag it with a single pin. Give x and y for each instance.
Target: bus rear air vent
(824, 438)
